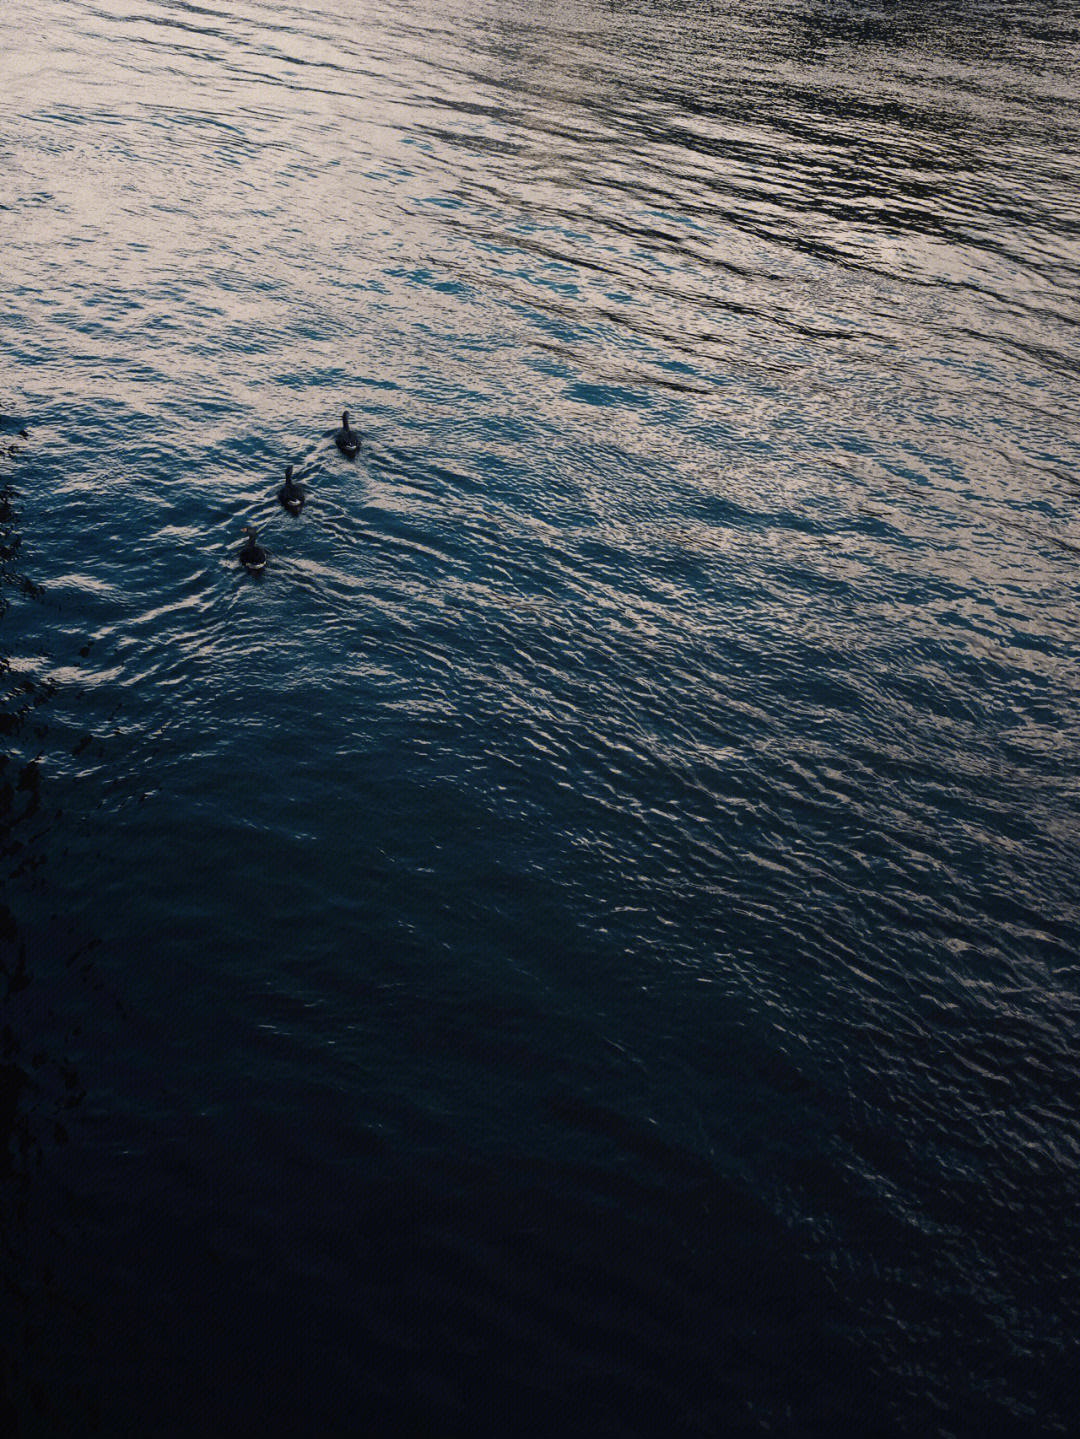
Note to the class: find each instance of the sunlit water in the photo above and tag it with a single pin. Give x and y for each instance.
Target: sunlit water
(587, 941)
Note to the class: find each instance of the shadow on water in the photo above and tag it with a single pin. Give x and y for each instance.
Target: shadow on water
(40, 1084)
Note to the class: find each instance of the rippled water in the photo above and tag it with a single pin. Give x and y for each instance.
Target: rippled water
(587, 941)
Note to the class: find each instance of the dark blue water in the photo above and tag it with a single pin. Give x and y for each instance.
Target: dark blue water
(586, 943)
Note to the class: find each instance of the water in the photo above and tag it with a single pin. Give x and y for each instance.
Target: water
(587, 942)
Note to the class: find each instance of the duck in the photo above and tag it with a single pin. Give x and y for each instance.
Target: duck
(290, 494)
(347, 439)
(252, 556)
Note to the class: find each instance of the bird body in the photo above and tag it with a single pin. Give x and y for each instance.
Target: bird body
(252, 555)
(291, 494)
(347, 439)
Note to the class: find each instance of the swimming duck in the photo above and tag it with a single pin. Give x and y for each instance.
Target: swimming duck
(347, 439)
(290, 494)
(252, 556)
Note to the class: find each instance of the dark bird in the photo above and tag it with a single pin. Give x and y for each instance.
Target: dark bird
(347, 439)
(252, 556)
(291, 495)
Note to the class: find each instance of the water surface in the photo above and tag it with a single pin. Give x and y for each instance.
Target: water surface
(587, 942)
